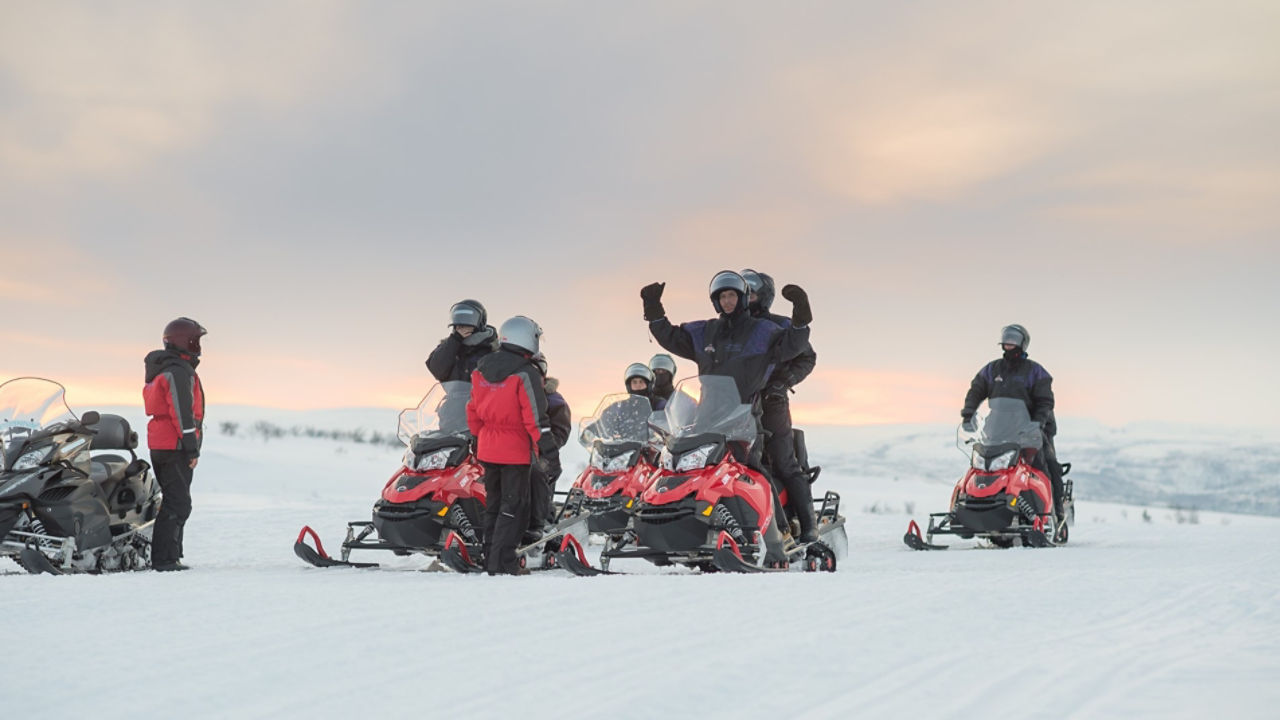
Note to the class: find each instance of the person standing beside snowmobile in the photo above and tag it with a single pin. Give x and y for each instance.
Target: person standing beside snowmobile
(546, 471)
(507, 410)
(1013, 375)
(780, 448)
(734, 344)
(456, 357)
(664, 374)
(174, 398)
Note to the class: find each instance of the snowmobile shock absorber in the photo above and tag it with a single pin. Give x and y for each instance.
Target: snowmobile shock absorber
(463, 523)
(1027, 513)
(722, 519)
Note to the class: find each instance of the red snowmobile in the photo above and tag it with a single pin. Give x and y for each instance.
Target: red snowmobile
(434, 503)
(623, 451)
(1003, 497)
(703, 508)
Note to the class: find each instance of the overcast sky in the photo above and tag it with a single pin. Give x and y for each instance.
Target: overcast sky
(317, 182)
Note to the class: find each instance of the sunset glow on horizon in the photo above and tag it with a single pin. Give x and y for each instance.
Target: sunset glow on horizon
(319, 186)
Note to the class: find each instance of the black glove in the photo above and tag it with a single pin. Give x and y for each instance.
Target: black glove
(969, 424)
(546, 444)
(652, 296)
(190, 445)
(775, 391)
(801, 314)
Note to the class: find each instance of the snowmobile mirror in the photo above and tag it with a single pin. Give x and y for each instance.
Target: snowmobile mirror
(90, 418)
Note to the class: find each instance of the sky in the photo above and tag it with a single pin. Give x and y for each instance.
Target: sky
(317, 182)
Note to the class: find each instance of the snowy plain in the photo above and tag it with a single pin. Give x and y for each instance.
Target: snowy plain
(1175, 614)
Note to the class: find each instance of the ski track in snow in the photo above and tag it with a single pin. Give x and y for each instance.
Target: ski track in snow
(1132, 619)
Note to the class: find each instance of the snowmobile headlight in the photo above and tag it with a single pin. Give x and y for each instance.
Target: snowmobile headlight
(695, 459)
(32, 458)
(615, 464)
(1003, 461)
(434, 460)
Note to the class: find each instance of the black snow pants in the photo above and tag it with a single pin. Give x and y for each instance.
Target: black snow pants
(1048, 458)
(752, 456)
(506, 515)
(780, 449)
(174, 473)
(541, 490)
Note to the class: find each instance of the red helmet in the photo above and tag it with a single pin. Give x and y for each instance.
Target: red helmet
(184, 335)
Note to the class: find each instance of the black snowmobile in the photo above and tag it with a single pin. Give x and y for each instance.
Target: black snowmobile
(64, 505)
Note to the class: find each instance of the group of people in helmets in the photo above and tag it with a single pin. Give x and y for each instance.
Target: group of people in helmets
(520, 421)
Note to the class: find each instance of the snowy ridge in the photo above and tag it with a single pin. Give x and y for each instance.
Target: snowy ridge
(1135, 618)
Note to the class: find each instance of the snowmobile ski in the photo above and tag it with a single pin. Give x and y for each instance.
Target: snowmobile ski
(728, 558)
(915, 540)
(317, 556)
(456, 556)
(36, 563)
(573, 558)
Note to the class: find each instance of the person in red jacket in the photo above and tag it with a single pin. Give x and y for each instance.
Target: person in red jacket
(506, 414)
(174, 399)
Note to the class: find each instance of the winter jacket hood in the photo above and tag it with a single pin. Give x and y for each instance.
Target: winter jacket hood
(157, 360)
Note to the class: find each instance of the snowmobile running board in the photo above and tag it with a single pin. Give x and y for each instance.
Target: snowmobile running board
(317, 556)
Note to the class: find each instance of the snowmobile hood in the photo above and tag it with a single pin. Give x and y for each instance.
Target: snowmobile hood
(157, 360)
(501, 365)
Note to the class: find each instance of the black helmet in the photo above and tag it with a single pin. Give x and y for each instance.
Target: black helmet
(728, 280)
(762, 285)
(184, 335)
(468, 312)
(1015, 335)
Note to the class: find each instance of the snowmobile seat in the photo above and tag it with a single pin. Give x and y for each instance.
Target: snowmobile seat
(108, 469)
(113, 433)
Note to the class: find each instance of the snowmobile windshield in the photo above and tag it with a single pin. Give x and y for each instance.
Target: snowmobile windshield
(27, 406)
(442, 412)
(1007, 422)
(710, 404)
(619, 418)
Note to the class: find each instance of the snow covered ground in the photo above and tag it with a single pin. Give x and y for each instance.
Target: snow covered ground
(1137, 617)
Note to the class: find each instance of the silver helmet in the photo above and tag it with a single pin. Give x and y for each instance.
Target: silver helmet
(663, 361)
(1015, 335)
(728, 280)
(521, 332)
(637, 370)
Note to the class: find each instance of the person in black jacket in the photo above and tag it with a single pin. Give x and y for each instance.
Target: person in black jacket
(1015, 376)
(736, 345)
(546, 471)
(664, 373)
(457, 356)
(780, 448)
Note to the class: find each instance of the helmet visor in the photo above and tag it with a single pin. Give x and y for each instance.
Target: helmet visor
(463, 314)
